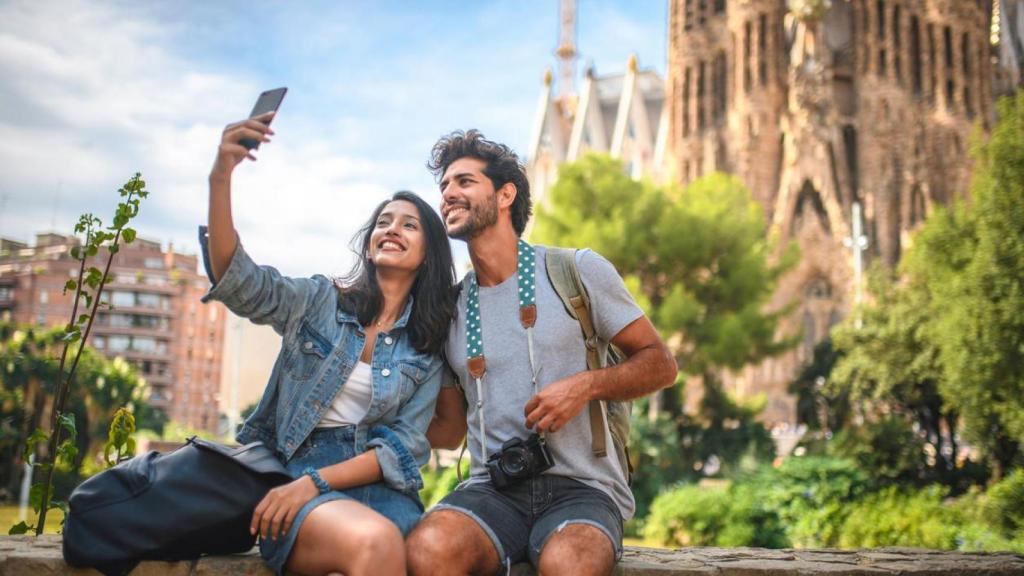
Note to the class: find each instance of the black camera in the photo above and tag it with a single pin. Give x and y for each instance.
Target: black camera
(518, 460)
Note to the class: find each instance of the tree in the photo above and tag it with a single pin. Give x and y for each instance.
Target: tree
(697, 261)
(29, 358)
(970, 261)
(889, 370)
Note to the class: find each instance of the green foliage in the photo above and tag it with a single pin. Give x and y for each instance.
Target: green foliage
(37, 386)
(120, 443)
(699, 264)
(989, 521)
(821, 407)
(692, 515)
(811, 496)
(894, 517)
(659, 456)
(1005, 504)
(969, 261)
(889, 448)
(439, 482)
(697, 257)
(178, 432)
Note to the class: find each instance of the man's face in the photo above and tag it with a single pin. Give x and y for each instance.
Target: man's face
(469, 204)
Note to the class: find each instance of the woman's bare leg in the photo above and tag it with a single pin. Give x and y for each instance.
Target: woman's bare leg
(347, 537)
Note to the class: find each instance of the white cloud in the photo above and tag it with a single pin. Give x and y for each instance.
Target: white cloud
(94, 91)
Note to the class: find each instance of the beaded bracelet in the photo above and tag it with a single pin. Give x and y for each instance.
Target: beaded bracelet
(320, 483)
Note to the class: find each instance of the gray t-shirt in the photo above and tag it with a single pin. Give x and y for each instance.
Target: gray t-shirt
(559, 352)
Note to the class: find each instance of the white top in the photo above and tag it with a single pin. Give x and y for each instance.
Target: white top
(353, 400)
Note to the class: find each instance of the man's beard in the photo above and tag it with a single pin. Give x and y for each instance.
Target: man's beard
(480, 218)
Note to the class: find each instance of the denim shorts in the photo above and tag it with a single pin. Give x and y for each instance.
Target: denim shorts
(326, 446)
(521, 518)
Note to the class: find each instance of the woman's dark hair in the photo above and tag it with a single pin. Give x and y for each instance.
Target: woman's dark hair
(432, 292)
(502, 166)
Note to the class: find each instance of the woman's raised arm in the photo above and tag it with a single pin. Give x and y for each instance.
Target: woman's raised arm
(223, 238)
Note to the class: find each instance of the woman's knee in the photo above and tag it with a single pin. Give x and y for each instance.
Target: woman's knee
(375, 538)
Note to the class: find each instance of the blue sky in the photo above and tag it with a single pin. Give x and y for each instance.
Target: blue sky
(93, 91)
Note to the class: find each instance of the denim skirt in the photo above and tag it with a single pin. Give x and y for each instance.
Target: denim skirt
(326, 446)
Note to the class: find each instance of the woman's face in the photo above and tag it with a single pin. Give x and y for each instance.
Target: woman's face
(397, 241)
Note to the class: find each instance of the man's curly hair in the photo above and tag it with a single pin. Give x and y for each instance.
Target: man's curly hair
(502, 166)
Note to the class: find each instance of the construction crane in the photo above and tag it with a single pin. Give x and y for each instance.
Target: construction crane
(566, 50)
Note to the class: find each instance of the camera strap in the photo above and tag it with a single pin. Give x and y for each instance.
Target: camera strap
(526, 277)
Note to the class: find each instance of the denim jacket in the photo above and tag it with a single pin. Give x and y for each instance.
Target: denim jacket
(321, 345)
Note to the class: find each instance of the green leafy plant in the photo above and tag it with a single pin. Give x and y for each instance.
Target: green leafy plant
(120, 443)
(60, 441)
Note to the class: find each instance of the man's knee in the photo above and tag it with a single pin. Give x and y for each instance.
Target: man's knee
(449, 539)
(577, 549)
(431, 543)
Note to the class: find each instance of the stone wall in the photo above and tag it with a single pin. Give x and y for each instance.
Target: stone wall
(30, 556)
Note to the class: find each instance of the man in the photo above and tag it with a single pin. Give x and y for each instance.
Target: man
(520, 362)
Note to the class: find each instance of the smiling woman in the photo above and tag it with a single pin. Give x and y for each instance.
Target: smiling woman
(353, 391)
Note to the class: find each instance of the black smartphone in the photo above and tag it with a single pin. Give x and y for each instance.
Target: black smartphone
(269, 101)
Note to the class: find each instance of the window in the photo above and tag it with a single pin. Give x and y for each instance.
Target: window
(719, 78)
(916, 77)
(686, 101)
(947, 39)
(120, 298)
(762, 50)
(148, 300)
(897, 43)
(118, 343)
(748, 78)
(933, 78)
(965, 54)
(882, 62)
(145, 345)
(701, 91)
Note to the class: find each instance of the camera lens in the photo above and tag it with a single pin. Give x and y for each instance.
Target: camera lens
(514, 462)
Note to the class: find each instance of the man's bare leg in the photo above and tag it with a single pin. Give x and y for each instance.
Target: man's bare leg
(577, 549)
(449, 543)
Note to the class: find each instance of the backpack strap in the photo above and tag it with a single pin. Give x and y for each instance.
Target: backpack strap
(565, 277)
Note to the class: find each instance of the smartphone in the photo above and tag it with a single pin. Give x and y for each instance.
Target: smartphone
(269, 101)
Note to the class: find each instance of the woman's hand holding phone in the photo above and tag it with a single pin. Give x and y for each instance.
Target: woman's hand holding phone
(231, 150)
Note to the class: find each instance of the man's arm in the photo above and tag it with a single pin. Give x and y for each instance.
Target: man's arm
(448, 427)
(649, 366)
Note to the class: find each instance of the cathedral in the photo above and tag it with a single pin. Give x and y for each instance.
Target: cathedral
(849, 121)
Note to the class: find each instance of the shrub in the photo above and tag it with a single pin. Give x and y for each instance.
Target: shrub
(1005, 504)
(811, 497)
(694, 515)
(893, 517)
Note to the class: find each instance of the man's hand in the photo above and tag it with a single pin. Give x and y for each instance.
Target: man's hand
(231, 152)
(275, 513)
(558, 403)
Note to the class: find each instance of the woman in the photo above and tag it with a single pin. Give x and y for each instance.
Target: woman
(354, 387)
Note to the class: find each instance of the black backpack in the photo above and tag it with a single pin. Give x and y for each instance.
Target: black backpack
(195, 500)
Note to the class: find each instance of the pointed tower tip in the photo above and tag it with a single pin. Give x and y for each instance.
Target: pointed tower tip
(632, 63)
(548, 77)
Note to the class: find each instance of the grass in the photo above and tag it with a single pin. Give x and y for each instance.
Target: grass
(9, 517)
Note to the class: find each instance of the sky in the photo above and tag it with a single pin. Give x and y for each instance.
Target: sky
(92, 92)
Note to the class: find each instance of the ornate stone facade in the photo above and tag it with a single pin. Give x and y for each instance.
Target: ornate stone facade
(820, 105)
